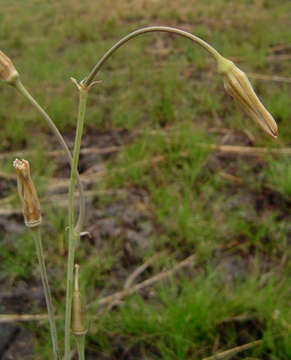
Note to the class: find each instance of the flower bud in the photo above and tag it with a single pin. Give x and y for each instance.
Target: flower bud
(8, 72)
(78, 318)
(239, 87)
(27, 193)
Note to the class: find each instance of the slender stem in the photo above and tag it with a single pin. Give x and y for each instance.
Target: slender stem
(73, 235)
(47, 292)
(88, 80)
(80, 341)
(20, 87)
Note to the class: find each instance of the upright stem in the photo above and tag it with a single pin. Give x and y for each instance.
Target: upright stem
(88, 80)
(80, 340)
(20, 87)
(47, 293)
(73, 235)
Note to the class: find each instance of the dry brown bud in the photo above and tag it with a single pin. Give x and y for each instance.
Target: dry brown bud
(8, 72)
(239, 87)
(27, 193)
(78, 319)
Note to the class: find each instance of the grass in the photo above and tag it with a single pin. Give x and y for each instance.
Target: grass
(279, 176)
(173, 326)
(163, 193)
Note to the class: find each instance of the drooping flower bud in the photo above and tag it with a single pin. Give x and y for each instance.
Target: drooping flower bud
(8, 72)
(78, 319)
(239, 87)
(27, 193)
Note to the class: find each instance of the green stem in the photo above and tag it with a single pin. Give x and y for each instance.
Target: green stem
(80, 340)
(73, 235)
(47, 292)
(88, 80)
(20, 87)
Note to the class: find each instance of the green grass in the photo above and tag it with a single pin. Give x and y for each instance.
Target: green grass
(188, 315)
(278, 175)
(168, 96)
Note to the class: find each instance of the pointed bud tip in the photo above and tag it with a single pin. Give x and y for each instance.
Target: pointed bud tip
(77, 267)
(274, 135)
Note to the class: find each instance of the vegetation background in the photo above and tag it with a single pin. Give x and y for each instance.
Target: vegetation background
(211, 227)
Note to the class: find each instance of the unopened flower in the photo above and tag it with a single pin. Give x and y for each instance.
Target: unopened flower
(78, 319)
(8, 72)
(239, 87)
(27, 193)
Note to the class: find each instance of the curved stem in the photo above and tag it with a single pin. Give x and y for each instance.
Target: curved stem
(73, 235)
(20, 87)
(88, 80)
(47, 292)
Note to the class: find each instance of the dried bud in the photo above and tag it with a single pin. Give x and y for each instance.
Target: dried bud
(78, 321)
(238, 86)
(27, 193)
(8, 72)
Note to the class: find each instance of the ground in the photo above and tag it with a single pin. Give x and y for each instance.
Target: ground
(196, 229)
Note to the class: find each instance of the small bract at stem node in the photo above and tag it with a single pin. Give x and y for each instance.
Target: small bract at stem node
(82, 86)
